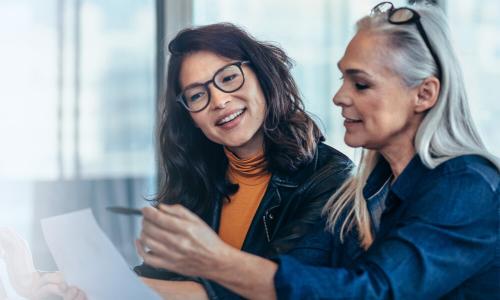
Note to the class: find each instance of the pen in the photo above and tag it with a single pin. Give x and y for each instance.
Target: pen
(124, 210)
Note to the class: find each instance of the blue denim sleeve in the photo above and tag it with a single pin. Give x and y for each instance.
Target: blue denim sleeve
(295, 280)
(446, 234)
(315, 247)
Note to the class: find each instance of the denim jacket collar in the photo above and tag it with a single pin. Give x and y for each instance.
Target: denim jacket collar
(404, 184)
(378, 177)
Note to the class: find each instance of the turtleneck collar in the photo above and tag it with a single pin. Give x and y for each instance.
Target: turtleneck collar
(250, 170)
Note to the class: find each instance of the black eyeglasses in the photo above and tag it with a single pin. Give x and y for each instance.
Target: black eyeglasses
(406, 15)
(227, 79)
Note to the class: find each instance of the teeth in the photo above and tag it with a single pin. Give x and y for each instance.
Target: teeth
(230, 117)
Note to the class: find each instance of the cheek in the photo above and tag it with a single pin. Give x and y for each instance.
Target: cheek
(202, 122)
(260, 105)
(382, 125)
(262, 110)
(378, 122)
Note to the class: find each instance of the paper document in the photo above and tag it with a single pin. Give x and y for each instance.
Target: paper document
(89, 260)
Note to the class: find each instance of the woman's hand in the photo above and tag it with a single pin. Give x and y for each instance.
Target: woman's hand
(25, 279)
(180, 241)
(53, 284)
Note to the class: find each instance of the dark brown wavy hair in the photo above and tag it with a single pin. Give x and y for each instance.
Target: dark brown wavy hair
(193, 167)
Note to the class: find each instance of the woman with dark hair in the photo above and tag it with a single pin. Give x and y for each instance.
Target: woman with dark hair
(419, 219)
(237, 147)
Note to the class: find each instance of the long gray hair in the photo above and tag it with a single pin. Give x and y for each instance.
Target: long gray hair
(447, 130)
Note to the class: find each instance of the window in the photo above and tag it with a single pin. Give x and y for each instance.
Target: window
(77, 88)
(475, 29)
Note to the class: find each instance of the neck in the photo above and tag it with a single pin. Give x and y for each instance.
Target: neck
(249, 149)
(398, 156)
(400, 150)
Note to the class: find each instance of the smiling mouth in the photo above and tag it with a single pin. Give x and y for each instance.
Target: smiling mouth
(230, 117)
(347, 120)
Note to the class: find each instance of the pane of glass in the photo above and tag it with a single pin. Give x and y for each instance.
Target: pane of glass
(28, 92)
(28, 99)
(475, 29)
(117, 88)
(77, 89)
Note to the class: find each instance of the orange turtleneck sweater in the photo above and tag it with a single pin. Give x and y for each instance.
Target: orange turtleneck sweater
(237, 214)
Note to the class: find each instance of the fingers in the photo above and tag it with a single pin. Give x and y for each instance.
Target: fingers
(155, 245)
(48, 290)
(169, 248)
(51, 278)
(151, 259)
(177, 210)
(49, 283)
(53, 283)
(158, 218)
(140, 248)
(170, 217)
(74, 293)
(158, 238)
(152, 229)
(176, 238)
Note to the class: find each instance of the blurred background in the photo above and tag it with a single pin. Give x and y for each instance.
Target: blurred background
(79, 80)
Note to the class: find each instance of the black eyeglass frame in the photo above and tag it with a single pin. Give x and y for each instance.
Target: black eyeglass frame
(180, 98)
(415, 18)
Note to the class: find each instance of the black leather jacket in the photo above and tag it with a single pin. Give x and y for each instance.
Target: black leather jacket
(290, 207)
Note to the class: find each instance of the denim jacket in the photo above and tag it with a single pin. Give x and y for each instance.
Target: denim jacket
(289, 209)
(437, 235)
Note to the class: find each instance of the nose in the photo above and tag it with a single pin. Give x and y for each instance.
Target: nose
(219, 99)
(341, 98)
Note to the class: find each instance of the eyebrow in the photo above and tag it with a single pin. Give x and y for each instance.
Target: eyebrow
(194, 84)
(353, 72)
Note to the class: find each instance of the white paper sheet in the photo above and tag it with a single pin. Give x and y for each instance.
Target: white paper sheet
(89, 260)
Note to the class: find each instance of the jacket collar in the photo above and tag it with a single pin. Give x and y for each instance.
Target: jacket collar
(378, 177)
(404, 185)
(272, 198)
(293, 179)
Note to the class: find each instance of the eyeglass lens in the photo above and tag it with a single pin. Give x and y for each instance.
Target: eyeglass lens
(228, 80)
(382, 8)
(401, 15)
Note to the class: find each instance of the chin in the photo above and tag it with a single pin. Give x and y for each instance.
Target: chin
(353, 142)
(235, 143)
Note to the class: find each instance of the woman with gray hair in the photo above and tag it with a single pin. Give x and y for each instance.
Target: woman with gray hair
(420, 218)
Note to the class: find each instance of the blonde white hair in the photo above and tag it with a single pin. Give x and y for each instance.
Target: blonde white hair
(447, 130)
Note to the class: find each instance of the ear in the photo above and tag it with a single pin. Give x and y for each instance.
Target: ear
(428, 93)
